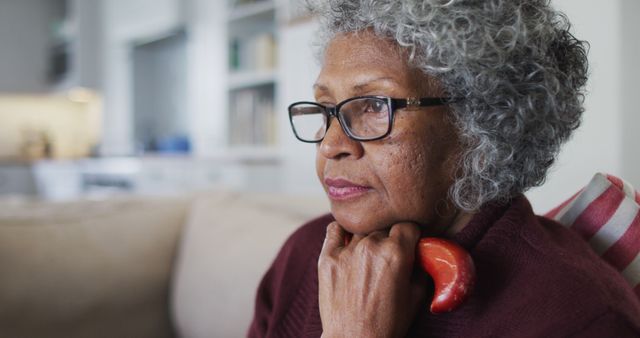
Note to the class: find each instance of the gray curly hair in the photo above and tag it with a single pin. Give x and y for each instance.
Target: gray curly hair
(515, 63)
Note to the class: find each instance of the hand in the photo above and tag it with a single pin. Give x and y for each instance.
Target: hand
(368, 287)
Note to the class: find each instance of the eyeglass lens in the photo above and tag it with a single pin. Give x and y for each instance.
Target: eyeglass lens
(309, 121)
(364, 118)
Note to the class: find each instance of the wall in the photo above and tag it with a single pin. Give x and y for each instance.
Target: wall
(24, 39)
(207, 74)
(630, 90)
(296, 81)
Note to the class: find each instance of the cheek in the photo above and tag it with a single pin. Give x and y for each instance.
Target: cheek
(412, 169)
(406, 165)
(320, 161)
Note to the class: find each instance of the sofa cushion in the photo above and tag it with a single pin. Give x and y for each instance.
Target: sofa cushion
(228, 244)
(606, 213)
(88, 268)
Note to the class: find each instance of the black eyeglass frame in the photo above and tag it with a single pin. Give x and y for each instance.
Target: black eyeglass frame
(392, 103)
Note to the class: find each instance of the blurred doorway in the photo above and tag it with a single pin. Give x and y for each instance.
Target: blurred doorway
(159, 95)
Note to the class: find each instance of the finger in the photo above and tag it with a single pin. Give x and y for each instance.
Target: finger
(370, 241)
(353, 239)
(358, 237)
(377, 236)
(406, 233)
(333, 240)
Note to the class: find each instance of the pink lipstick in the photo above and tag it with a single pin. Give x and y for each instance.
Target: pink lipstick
(340, 189)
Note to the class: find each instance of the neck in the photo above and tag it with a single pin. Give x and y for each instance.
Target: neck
(459, 222)
(448, 227)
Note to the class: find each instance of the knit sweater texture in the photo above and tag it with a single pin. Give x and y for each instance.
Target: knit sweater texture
(535, 278)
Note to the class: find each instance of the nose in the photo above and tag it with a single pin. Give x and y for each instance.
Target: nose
(336, 144)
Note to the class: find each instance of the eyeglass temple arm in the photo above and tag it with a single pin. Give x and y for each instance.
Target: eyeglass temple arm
(422, 102)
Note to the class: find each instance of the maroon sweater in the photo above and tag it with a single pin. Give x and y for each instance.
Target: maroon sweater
(535, 278)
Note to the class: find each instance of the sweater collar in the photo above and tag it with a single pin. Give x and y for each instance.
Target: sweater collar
(488, 215)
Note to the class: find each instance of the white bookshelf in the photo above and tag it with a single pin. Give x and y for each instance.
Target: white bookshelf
(250, 10)
(252, 28)
(249, 79)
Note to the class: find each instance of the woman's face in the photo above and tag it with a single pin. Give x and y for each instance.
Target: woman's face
(402, 177)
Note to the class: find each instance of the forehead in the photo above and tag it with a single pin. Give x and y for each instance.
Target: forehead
(362, 48)
(355, 62)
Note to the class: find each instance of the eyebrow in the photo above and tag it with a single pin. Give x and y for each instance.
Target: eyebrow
(361, 86)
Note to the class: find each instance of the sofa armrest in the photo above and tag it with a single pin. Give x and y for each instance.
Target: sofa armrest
(88, 268)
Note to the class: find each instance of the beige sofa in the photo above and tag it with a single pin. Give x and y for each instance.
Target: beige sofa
(185, 266)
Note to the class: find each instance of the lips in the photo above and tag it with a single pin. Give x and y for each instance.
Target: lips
(341, 189)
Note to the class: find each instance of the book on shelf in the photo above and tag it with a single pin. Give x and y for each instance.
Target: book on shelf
(252, 119)
(254, 53)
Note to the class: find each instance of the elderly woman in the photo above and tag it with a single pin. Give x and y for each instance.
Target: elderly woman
(431, 118)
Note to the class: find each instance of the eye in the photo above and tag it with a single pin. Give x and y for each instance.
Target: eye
(375, 106)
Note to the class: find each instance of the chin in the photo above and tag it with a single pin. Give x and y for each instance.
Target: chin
(357, 223)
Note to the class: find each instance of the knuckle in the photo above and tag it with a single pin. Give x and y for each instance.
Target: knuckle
(394, 245)
(394, 253)
(390, 259)
(363, 248)
(333, 229)
(367, 245)
(326, 262)
(322, 262)
(328, 272)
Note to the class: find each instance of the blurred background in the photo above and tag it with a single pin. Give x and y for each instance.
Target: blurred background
(104, 97)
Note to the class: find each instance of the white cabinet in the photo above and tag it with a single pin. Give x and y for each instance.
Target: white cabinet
(57, 180)
(65, 180)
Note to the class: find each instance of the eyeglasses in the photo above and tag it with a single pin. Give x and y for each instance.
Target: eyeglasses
(362, 118)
